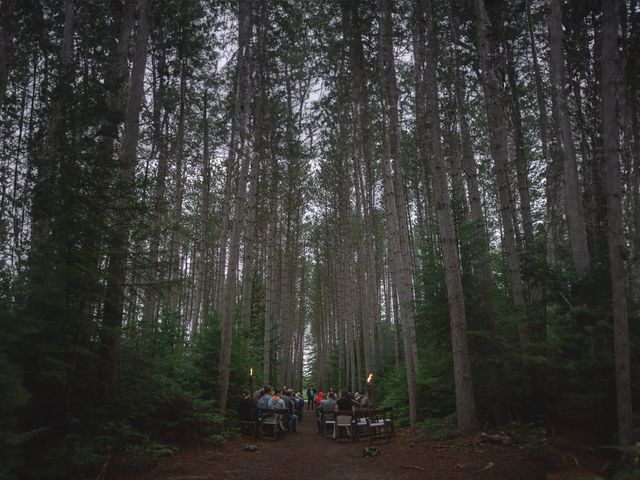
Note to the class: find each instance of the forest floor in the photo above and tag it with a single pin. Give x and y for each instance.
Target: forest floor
(308, 454)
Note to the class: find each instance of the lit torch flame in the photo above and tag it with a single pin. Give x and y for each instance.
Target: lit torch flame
(251, 372)
(369, 378)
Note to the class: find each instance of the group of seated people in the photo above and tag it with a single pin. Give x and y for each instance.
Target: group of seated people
(344, 402)
(269, 398)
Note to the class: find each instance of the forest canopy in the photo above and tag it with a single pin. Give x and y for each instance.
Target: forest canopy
(444, 193)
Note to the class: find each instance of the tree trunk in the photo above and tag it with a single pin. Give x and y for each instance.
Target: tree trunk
(175, 241)
(610, 144)
(364, 189)
(543, 125)
(482, 264)
(572, 196)
(118, 246)
(498, 146)
(394, 202)
(426, 64)
(244, 98)
(249, 245)
(201, 300)
(6, 44)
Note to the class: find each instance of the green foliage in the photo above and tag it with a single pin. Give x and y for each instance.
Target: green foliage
(12, 396)
(391, 391)
(444, 428)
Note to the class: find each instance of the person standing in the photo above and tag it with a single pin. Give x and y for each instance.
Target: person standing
(290, 404)
(311, 395)
(246, 410)
(299, 405)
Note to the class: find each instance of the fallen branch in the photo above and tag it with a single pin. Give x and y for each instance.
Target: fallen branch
(414, 467)
(495, 438)
(487, 467)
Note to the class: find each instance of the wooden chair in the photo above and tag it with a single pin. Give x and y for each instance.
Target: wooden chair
(269, 424)
(378, 425)
(390, 419)
(361, 424)
(345, 428)
(284, 419)
(328, 422)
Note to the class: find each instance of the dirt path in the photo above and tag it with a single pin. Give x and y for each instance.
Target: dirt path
(307, 454)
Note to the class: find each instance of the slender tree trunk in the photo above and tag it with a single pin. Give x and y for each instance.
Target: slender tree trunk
(394, 202)
(249, 245)
(572, 196)
(611, 148)
(175, 241)
(468, 161)
(118, 245)
(426, 63)
(47, 167)
(152, 293)
(201, 300)
(520, 157)
(270, 282)
(543, 125)
(244, 97)
(364, 193)
(498, 146)
(7, 23)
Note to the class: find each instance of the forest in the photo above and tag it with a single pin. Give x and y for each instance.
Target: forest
(443, 193)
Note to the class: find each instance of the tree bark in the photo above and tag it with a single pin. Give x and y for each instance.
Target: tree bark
(610, 144)
(543, 125)
(244, 98)
(468, 161)
(431, 152)
(6, 44)
(394, 202)
(159, 120)
(498, 145)
(572, 196)
(201, 300)
(124, 177)
(176, 237)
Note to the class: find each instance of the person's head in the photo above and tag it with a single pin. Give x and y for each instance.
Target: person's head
(331, 395)
(276, 393)
(267, 389)
(344, 394)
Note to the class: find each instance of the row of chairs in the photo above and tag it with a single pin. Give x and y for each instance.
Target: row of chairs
(363, 424)
(267, 423)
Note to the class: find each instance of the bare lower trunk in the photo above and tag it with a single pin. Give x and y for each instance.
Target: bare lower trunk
(498, 145)
(426, 61)
(6, 43)
(124, 177)
(176, 239)
(395, 209)
(249, 246)
(610, 143)
(543, 125)
(201, 295)
(230, 286)
(572, 196)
